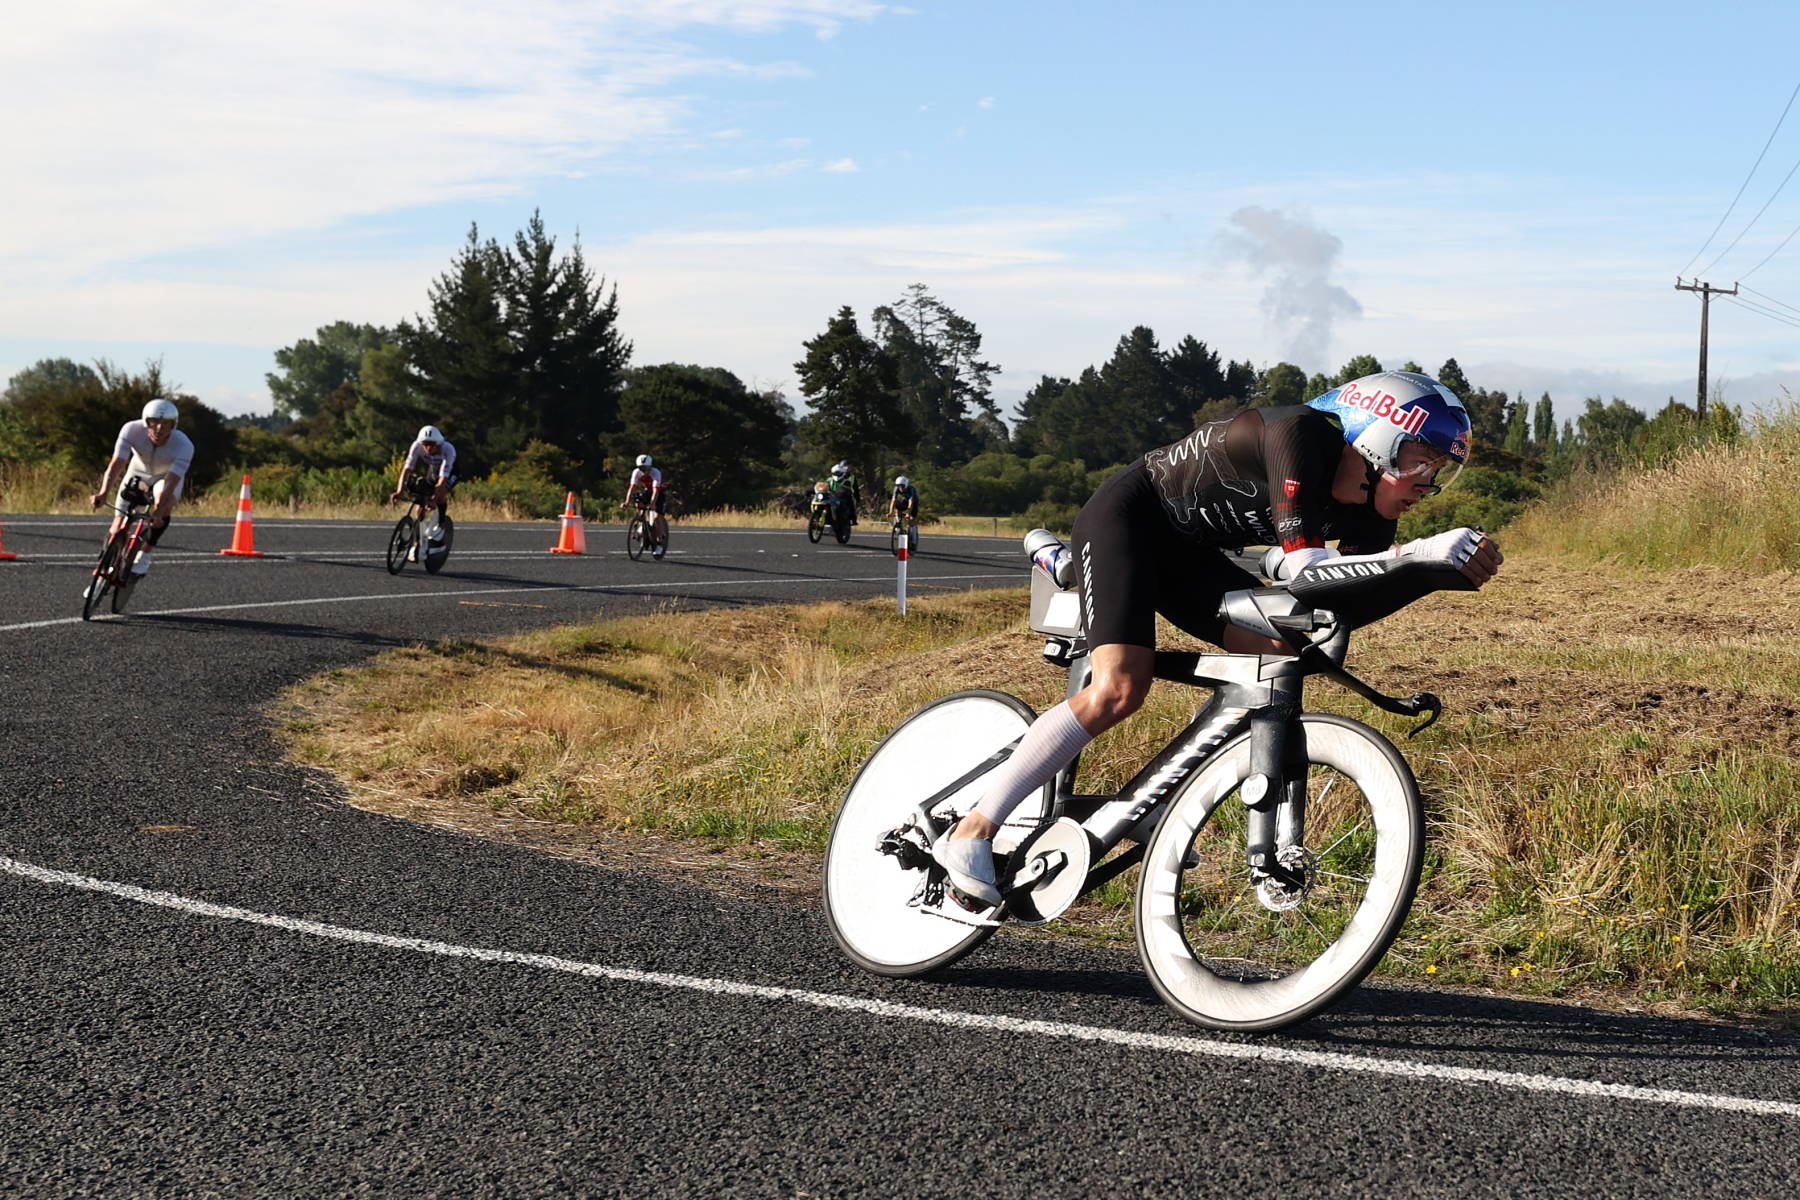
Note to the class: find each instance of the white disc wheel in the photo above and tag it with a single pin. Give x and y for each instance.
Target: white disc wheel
(871, 900)
(1228, 954)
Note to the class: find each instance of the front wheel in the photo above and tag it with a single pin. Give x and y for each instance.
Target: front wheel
(636, 534)
(400, 543)
(127, 584)
(438, 552)
(815, 528)
(102, 581)
(873, 901)
(894, 541)
(1228, 952)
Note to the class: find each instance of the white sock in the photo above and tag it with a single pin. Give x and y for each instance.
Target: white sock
(1054, 739)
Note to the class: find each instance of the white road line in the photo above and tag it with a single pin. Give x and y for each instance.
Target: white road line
(1162, 1043)
(814, 581)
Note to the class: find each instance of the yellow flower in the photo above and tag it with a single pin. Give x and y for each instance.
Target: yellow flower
(1682, 963)
(1540, 933)
(1676, 938)
(1515, 970)
(1432, 969)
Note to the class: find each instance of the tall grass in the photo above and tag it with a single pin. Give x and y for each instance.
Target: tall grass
(1729, 504)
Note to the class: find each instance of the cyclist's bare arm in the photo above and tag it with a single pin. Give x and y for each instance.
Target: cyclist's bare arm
(400, 487)
(109, 481)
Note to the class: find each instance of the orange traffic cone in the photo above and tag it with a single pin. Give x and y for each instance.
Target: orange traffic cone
(243, 534)
(5, 555)
(574, 532)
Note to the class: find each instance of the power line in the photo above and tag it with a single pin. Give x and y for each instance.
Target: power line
(1753, 220)
(1742, 186)
(1769, 298)
(1763, 312)
(1774, 252)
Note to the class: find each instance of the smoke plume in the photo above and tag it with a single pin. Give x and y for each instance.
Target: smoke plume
(1300, 301)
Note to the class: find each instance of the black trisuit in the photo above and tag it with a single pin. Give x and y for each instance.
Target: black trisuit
(1149, 541)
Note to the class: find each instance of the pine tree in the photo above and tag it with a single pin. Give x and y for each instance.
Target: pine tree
(1543, 428)
(852, 386)
(462, 354)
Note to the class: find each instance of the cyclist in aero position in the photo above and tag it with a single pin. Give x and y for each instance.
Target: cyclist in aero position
(905, 502)
(430, 457)
(1344, 466)
(151, 449)
(647, 475)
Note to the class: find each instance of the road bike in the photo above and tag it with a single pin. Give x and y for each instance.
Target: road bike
(403, 543)
(1280, 850)
(902, 528)
(643, 534)
(113, 578)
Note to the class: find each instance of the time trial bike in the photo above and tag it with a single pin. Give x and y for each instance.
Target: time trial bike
(645, 532)
(412, 528)
(1280, 849)
(113, 580)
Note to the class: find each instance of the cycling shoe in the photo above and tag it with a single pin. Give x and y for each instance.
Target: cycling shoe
(970, 864)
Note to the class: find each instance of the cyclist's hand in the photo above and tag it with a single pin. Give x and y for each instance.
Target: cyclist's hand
(394, 499)
(1484, 564)
(157, 521)
(96, 499)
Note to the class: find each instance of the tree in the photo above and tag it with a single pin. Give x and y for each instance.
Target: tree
(461, 356)
(1410, 365)
(313, 369)
(1451, 376)
(49, 375)
(1030, 432)
(1240, 382)
(1517, 438)
(939, 373)
(1283, 383)
(718, 442)
(852, 386)
(1356, 368)
(1543, 427)
(1143, 405)
(568, 357)
(1198, 380)
(519, 344)
(71, 419)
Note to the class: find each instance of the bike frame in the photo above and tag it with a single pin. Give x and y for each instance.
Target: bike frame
(130, 521)
(1259, 693)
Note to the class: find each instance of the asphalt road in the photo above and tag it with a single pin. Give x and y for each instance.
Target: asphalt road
(286, 995)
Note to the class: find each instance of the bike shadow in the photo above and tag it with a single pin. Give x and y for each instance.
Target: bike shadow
(1392, 1018)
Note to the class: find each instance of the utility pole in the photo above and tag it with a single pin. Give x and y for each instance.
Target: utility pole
(1707, 292)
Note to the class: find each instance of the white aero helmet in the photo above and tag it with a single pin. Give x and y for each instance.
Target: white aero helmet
(430, 433)
(160, 409)
(643, 460)
(902, 481)
(1381, 413)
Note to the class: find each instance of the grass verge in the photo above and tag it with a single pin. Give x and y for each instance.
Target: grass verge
(1613, 793)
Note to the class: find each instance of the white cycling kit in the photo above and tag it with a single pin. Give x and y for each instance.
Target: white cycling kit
(154, 464)
(438, 466)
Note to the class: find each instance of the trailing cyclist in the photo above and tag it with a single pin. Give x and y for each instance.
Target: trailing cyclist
(904, 502)
(1342, 467)
(429, 460)
(154, 450)
(647, 475)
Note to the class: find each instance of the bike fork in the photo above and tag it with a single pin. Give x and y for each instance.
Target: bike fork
(1276, 804)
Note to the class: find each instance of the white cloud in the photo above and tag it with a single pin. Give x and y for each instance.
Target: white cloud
(842, 166)
(985, 102)
(158, 128)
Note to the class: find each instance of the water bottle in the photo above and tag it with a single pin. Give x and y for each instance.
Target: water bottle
(1051, 556)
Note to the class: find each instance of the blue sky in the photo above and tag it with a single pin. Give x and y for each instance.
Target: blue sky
(1515, 186)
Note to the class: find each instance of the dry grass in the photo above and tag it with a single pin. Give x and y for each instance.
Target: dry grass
(1613, 791)
(1728, 504)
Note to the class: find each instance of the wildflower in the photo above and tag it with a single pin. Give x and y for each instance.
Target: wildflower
(1515, 970)
(1676, 938)
(1432, 969)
